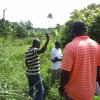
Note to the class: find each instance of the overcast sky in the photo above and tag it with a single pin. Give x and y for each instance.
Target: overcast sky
(37, 10)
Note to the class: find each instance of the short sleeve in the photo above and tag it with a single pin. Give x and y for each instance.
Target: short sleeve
(68, 59)
(35, 50)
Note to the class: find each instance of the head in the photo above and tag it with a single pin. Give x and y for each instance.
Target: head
(57, 45)
(79, 28)
(36, 43)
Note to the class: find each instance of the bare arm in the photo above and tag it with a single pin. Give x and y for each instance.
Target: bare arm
(65, 75)
(43, 49)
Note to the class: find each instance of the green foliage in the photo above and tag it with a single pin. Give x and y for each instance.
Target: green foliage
(95, 29)
(5, 27)
(96, 98)
(28, 25)
(18, 30)
(92, 6)
(12, 72)
(90, 15)
(66, 31)
(14, 28)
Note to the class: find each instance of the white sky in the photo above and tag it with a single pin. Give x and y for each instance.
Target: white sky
(37, 10)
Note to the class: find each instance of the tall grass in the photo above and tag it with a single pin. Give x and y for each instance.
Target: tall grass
(12, 70)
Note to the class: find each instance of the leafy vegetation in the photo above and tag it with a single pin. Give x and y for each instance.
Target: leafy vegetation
(90, 15)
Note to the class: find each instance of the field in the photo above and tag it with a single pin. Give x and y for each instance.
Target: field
(13, 81)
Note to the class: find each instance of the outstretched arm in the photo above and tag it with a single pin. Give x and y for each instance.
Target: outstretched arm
(43, 49)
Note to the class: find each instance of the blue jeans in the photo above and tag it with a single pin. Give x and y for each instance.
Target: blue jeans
(35, 82)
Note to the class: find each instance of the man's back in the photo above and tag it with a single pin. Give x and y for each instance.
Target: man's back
(82, 59)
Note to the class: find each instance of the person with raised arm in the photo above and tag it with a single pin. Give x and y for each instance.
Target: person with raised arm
(33, 69)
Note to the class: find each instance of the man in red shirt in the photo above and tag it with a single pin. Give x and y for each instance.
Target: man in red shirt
(79, 65)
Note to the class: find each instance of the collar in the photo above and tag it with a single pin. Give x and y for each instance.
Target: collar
(82, 37)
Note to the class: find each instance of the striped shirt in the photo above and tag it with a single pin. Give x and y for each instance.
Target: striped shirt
(81, 58)
(32, 61)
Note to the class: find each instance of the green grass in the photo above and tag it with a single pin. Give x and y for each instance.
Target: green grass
(12, 70)
(97, 98)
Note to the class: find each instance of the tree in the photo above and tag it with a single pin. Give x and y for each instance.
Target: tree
(5, 27)
(18, 30)
(28, 25)
(4, 13)
(95, 28)
(92, 6)
(90, 15)
(49, 17)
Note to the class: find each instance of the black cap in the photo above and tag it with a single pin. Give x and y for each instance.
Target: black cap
(79, 28)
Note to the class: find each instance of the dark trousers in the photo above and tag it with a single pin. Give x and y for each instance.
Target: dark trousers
(68, 98)
(35, 82)
(98, 75)
(55, 75)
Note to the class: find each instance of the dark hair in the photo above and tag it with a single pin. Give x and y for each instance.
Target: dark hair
(35, 41)
(57, 43)
(79, 28)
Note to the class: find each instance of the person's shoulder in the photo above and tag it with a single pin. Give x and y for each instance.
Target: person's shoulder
(32, 49)
(70, 44)
(53, 49)
(93, 41)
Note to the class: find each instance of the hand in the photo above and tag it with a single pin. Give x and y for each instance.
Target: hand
(61, 91)
(53, 60)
